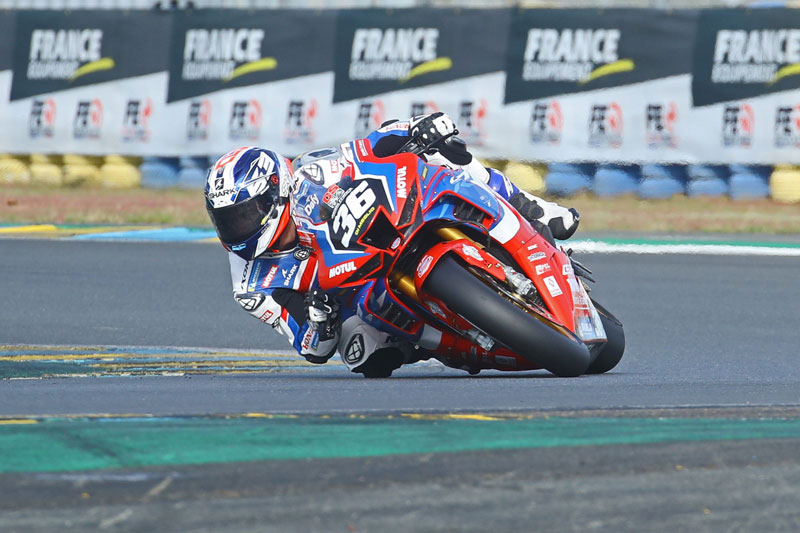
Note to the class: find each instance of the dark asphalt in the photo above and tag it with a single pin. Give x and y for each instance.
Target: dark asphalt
(702, 331)
(720, 486)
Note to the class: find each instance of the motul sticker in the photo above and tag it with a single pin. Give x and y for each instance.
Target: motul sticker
(343, 268)
(541, 269)
(270, 276)
(552, 286)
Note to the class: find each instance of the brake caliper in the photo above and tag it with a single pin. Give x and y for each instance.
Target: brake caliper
(521, 285)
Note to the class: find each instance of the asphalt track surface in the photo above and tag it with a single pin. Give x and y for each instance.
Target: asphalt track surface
(707, 336)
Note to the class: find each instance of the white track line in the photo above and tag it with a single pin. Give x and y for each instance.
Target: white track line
(691, 249)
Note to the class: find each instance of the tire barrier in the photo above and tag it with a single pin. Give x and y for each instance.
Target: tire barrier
(785, 183)
(707, 180)
(46, 171)
(81, 170)
(120, 173)
(526, 176)
(615, 180)
(13, 170)
(649, 181)
(662, 181)
(567, 179)
(749, 182)
(159, 172)
(192, 173)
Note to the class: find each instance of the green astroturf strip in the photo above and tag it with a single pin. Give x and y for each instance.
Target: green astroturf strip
(81, 444)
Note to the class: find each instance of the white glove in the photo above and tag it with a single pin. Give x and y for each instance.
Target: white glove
(431, 128)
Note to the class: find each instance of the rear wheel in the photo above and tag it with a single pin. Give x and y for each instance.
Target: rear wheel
(611, 353)
(528, 334)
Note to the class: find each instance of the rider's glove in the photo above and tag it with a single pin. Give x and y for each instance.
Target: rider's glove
(322, 311)
(428, 130)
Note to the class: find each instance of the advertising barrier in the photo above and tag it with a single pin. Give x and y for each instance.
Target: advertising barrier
(615, 85)
(746, 85)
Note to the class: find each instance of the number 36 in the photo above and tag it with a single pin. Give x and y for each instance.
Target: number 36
(355, 205)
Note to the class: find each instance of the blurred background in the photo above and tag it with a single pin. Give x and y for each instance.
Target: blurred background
(651, 99)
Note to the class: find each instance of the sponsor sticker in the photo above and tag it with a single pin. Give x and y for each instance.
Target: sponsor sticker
(266, 317)
(424, 265)
(552, 286)
(288, 276)
(536, 256)
(402, 186)
(567, 270)
(435, 309)
(541, 269)
(343, 268)
(361, 148)
(471, 251)
(269, 277)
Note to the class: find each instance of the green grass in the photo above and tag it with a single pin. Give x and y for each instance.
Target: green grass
(31, 205)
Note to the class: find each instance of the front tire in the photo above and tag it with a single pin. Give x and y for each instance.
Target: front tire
(611, 353)
(533, 337)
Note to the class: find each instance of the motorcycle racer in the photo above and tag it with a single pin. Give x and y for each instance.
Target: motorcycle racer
(250, 198)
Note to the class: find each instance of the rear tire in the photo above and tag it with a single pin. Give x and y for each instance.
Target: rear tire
(612, 352)
(526, 335)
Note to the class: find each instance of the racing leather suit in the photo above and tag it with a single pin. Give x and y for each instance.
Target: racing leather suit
(272, 286)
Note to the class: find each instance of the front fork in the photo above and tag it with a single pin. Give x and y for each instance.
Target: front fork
(405, 283)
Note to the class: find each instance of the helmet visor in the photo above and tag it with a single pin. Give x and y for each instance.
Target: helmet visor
(237, 223)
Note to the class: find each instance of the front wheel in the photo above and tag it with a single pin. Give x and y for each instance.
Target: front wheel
(611, 353)
(532, 336)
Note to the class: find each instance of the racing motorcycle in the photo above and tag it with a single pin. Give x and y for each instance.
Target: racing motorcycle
(433, 256)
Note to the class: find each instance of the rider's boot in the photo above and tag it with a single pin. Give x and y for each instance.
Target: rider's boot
(562, 221)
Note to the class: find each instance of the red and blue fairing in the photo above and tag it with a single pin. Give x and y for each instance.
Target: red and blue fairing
(379, 231)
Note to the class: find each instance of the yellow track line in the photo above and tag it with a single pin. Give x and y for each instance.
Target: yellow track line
(28, 229)
(197, 364)
(112, 356)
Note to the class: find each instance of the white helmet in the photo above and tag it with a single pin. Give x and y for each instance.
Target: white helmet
(249, 199)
